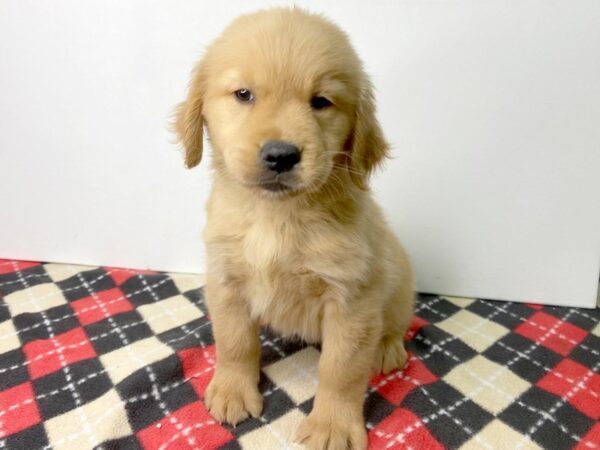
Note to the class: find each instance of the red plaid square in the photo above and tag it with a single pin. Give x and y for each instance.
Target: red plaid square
(8, 266)
(402, 430)
(18, 409)
(586, 398)
(48, 355)
(100, 306)
(398, 385)
(120, 276)
(188, 427)
(534, 305)
(198, 364)
(562, 339)
(591, 439)
(415, 326)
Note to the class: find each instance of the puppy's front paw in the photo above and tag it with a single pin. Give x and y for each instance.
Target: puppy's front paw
(231, 399)
(326, 432)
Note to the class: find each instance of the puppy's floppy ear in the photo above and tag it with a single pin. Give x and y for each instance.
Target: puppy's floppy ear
(189, 123)
(367, 146)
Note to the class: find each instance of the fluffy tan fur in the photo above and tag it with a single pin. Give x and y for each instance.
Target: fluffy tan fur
(317, 261)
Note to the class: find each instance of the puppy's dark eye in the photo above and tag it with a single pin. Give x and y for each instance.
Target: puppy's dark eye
(244, 95)
(318, 102)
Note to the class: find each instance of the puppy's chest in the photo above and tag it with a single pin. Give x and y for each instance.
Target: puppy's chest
(267, 243)
(283, 289)
(290, 303)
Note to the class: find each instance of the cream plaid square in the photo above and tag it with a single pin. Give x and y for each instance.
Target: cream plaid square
(186, 282)
(35, 299)
(499, 436)
(488, 384)
(9, 339)
(124, 361)
(87, 426)
(296, 374)
(278, 434)
(475, 331)
(170, 313)
(461, 302)
(60, 272)
(596, 330)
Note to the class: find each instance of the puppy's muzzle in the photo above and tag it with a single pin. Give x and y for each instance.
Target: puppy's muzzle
(279, 156)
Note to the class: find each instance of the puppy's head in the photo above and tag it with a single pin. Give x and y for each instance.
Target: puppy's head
(286, 102)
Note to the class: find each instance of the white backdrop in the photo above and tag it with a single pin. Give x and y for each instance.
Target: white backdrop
(493, 109)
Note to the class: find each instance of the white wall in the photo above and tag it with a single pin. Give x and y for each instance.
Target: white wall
(493, 109)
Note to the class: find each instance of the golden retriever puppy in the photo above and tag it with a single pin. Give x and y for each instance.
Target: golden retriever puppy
(293, 237)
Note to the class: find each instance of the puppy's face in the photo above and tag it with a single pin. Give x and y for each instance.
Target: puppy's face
(278, 126)
(285, 100)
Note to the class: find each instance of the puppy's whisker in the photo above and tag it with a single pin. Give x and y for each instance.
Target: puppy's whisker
(349, 169)
(336, 185)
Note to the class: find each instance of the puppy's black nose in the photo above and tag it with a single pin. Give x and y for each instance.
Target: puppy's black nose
(279, 156)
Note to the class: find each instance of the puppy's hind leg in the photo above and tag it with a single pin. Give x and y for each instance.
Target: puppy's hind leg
(391, 353)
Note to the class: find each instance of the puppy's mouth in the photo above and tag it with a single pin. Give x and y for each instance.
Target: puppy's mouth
(279, 184)
(276, 186)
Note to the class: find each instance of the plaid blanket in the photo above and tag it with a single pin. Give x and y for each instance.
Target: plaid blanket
(98, 357)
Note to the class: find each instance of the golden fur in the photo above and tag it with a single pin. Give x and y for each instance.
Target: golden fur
(316, 261)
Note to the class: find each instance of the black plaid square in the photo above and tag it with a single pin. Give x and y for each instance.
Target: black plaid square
(126, 443)
(66, 389)
(307, 406)
(587, 352)
(22, 279)
(143, 289)
(450, 417)
(108, 335)
(275, 348)
(31, 438)
(231, 445)
(435, 309)
(196, 296)
(192, 334)
(13, 369)
(85, 283)
(34, 326)
(440, 351)
(4, 311)
(377, 409)
(154, 391)
(525, 358)
(506, 314)
(549, 421)
(584, 319)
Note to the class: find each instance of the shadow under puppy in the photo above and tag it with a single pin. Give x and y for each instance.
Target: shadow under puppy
(293, 236)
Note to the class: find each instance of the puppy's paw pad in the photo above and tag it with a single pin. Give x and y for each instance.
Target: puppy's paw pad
(325, 433)
(232, 402)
